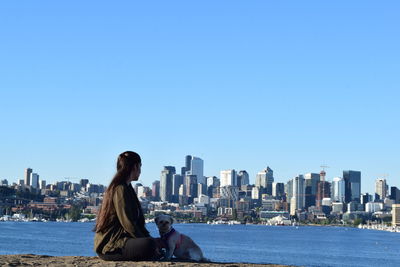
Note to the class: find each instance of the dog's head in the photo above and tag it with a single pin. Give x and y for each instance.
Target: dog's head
(164, 222)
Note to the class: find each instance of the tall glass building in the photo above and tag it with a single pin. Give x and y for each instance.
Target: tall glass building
(352, 180)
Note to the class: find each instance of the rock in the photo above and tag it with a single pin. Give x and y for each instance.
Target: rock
(69, 261)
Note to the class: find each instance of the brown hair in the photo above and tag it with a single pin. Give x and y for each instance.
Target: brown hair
(126, 162)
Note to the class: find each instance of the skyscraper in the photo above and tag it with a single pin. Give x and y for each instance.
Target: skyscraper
(338, 189)
(323, 191)
(242, 178)
(298, 198)
(380, 189)
(34, 180)
(155, 190)
(177, 181)
(191, 186)
(197, 168)
(396, 215)
(166, 183)
(395, 194)
(213, 181)
(311, 181)
(27, 177)
(352, 181)
(228, 178)
(264, 179)
(278, 190)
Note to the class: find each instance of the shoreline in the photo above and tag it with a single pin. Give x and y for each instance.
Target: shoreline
(44, 260)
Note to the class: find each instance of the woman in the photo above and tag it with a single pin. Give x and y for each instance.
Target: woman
(120, 228)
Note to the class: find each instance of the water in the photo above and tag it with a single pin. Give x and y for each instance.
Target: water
(305, 246)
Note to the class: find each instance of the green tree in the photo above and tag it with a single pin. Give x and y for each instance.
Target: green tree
(357, 221)
(74, 213)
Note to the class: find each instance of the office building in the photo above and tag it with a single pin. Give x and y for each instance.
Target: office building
(155, 190)
(42, 184)
(380, 189)
(84, 182)
(298, 197)
(231, 194)
(264, 179)
(27, 180)
(289, 190)
(177, 181)
(213, 181)
(352, 181)
(242, 178)
(166, 183)
(396, 215)
(338, 189)
(278, 190)
(191, 186)
(228, 178)
(311, 181)
(34, 180)
(196, 168)
(323, 191)
(395, 194)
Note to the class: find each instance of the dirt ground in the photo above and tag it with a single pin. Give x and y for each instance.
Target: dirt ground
(69, 261)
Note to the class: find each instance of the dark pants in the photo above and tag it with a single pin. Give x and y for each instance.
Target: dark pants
(136, 249)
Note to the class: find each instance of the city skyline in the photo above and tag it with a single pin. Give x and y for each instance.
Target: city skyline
(173, 169)
(289, 85)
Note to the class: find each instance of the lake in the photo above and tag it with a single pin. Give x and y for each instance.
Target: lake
(303, 245)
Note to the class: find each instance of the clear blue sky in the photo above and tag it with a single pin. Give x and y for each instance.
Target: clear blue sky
(244, 85)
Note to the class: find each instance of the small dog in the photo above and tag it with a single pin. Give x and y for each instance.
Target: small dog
(177, 244)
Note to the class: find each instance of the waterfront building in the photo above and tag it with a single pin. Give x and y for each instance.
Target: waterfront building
(338, 189)
(34, 180)
(380, 189)
(196, 168)
(373, 207)
(396, 215)
(278, 190)
(166, 183)
(155, 190)
(228, 178)
(297, 201)
(242, 178)
(264, 180)
(4, 182)
(311, 181)
(337, 207)
(352, 186)
(28, 172)
(20, 182)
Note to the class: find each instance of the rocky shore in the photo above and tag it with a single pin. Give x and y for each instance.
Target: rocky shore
(69, 261)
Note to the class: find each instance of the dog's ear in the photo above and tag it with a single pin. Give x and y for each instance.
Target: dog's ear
(156, 219)
(171, 220)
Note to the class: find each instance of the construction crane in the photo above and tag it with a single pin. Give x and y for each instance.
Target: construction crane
(322, 175)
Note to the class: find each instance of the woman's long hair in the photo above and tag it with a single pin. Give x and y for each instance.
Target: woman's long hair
(126, 162)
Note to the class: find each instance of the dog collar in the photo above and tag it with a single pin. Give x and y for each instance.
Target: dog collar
(165, 236)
